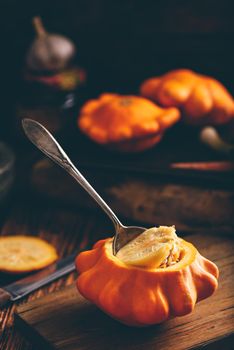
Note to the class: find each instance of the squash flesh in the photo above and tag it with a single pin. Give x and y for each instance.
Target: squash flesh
(155, 247)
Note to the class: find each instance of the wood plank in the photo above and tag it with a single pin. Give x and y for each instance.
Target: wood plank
(66, 321)
(149, 199)
(67, 230)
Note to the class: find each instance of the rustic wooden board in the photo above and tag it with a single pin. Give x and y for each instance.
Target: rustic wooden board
(149, 199)
(66, 321)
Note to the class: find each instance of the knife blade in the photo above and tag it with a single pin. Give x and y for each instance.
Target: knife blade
(26, 285)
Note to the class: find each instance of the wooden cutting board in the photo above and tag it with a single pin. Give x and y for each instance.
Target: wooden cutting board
(66, 321)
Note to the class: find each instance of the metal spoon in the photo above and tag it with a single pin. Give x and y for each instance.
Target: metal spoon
(42, 138)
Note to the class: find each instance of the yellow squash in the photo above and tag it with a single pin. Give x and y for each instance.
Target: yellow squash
(202, 100)
(125, 123)
(145, 295)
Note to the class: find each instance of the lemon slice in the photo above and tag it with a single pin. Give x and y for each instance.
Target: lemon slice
(152, 248)
(20, 254)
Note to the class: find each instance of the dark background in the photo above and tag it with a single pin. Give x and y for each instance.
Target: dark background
(120, 43)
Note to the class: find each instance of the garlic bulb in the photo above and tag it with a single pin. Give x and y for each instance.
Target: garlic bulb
(48, 52)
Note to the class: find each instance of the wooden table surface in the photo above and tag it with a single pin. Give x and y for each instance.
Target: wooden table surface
(67, 229)
(64, 320)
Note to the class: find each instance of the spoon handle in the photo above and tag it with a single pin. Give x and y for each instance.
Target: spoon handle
(43, 140)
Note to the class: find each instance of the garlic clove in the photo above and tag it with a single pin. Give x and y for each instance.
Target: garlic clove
(211, 138)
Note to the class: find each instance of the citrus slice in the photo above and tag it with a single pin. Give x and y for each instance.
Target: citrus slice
(153, 248)
(20, 254)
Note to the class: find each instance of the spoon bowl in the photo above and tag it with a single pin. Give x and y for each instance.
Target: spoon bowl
(125, 234)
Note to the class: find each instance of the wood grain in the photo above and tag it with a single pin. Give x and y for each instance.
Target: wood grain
(67, 229)
(66, 320)
(147, 199)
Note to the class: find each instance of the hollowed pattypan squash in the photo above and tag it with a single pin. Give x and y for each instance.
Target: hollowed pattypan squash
(201, 99)
(153, 278)
(125, 123)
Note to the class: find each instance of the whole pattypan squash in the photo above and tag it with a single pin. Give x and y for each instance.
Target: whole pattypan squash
(201, 99)
(125, 123)
(153, 278)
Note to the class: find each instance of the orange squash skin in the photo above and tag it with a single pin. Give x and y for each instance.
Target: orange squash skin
(140, 296)
(201, 99)
(125, 123)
